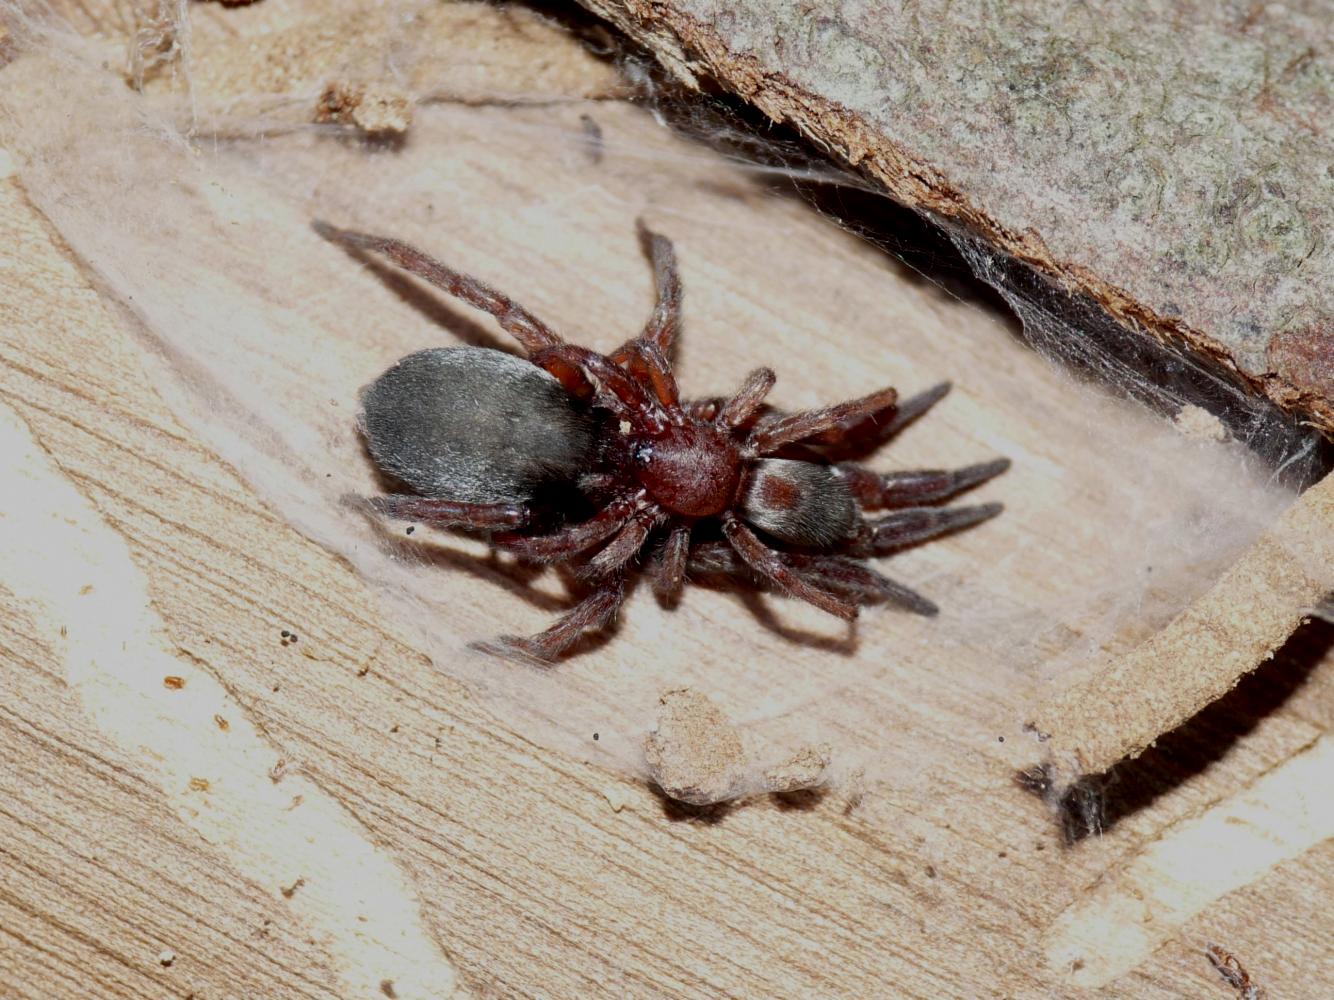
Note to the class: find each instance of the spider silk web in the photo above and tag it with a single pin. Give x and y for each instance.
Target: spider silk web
(1136, 478)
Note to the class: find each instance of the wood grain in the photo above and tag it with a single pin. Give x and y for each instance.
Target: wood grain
(535, 872)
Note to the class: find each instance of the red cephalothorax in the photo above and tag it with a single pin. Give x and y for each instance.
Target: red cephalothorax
(523, 449)
(692, 468)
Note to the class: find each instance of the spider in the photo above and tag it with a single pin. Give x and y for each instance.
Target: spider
(573, 456)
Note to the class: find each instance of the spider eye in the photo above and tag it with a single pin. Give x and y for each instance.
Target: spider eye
(642, 452)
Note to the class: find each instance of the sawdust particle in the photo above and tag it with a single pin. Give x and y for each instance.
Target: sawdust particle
(695, 754)
(289, 891)
(805, 769)
(377, 111)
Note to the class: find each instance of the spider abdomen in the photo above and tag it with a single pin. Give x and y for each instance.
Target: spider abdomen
(799, 502)
(475, 425)
(692, 469)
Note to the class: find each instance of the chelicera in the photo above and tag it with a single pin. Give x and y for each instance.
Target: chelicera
(569, 455)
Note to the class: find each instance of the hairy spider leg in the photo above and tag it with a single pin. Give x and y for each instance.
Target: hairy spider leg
(748, 399)
(591, 613)
(908, 488)
(912, 525)
(513, 318)
(574, 538)
(796, 427)
(846, 576)
(770, 564)
(865, 434)
(567, 373)
(645, 362)
(841, 575)
(623, 394)
(648, 355)
(452, 513)
(665, 321)
(669, 570)
(705, 409)
(626, 544)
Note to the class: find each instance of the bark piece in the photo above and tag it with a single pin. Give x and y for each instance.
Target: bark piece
(1168, 160)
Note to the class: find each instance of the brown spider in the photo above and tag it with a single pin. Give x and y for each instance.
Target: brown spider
(572, 452)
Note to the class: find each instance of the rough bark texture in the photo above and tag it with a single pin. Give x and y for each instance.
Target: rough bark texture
(1170, 160)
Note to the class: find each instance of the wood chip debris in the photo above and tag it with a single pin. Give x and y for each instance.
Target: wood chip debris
(696, 756)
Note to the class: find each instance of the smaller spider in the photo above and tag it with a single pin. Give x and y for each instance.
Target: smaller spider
(574, 456)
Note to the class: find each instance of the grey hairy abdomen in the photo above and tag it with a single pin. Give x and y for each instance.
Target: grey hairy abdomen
(476, 425)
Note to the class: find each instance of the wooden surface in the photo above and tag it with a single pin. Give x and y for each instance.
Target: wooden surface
(1112, 712)
(1166, 159)
(336, 816)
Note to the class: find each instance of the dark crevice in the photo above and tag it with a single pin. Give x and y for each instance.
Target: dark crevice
(1094, 804)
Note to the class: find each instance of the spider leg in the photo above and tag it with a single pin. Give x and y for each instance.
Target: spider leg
(650, 366)
(877, 490)
(566, 372)
(572, 539)
(915, 524)
(715, 557)
(864, 434)
(513, 318)
(769, 564)
(647, 356)
(670, 570)
(625, 545)
(748, 399)
(841, 575)
(912, 408)
(452, 513)
(856, 580)
(771, 436)
(626, 396)
(662, 325)
(591, 613)
(705, 409)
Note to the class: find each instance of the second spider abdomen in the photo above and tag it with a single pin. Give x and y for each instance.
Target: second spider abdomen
(800, 502)
(691, 469)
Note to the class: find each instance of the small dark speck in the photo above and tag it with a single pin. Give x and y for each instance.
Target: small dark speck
(284, 633)
(387, 988)
(1002, 854)
(394, 728)
(595, 736)
(411, 528)
(275, 689)
(592, 137)
(930, 871)
(1000, 739)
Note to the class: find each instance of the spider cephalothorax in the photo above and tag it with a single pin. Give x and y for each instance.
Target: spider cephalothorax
(571, 455)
